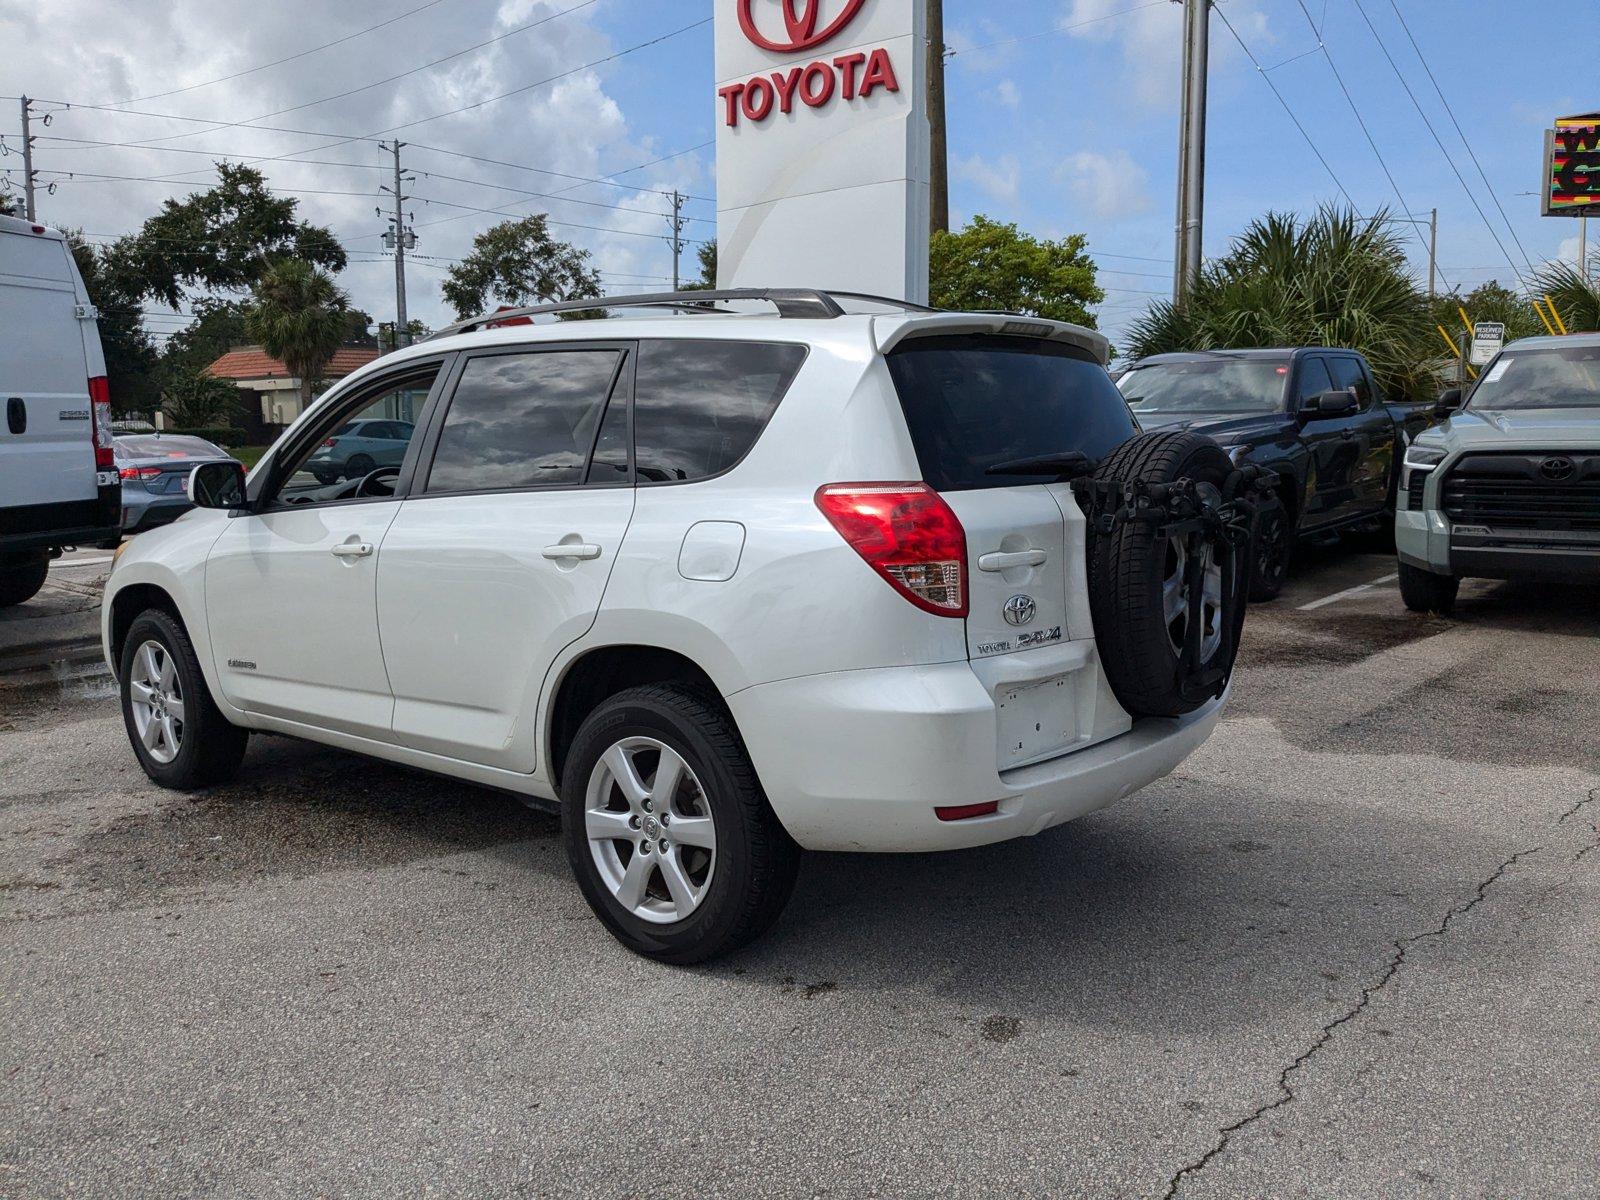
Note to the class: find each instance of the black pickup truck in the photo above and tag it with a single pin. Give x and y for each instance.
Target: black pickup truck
(1313, 414)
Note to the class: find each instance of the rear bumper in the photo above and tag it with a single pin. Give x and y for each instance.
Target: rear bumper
(139, 516)
(69, 523)
(859, 760)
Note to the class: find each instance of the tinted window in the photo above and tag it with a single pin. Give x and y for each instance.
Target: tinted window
(610, 464)
(972, 402)
(523, 420)
(1314, 379)
(1207, 385)
(1347, 373)
(699, 406)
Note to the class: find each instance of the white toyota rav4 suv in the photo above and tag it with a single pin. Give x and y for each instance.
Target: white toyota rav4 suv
(720, 584)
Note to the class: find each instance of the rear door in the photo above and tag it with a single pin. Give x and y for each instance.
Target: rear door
(46, 436)
(973, 403)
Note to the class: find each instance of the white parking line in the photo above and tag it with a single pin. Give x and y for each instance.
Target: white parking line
(82, 562)
(1347, 593)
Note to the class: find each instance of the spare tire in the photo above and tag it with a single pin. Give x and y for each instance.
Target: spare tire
(1146, 601)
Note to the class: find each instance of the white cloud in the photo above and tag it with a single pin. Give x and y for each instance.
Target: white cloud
(998, 180)
(1008, 94)
(1151, 40)
(1109, 185)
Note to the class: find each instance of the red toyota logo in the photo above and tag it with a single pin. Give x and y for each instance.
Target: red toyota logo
(800, 18)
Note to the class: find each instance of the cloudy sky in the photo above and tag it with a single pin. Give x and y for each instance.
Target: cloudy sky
(1063, 118)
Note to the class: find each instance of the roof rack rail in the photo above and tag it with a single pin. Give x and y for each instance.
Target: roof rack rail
(793, 303)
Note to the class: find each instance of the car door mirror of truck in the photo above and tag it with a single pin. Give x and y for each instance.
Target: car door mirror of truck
(1340, 402)
(1449, 402)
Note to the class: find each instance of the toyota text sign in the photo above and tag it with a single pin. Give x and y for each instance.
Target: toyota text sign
(822, 145)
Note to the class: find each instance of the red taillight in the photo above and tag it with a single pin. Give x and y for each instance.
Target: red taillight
(963, 812)
(100, 426)
(330, 443)
(139, 472)
(909, 535)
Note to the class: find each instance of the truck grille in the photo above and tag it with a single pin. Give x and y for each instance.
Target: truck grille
(1540, 490)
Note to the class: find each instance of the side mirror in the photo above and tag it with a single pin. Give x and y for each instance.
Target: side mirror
(217, 485)
(1449, 402)
(1338, 403)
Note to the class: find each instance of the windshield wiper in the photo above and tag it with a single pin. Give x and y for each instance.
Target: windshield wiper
(1065, 467)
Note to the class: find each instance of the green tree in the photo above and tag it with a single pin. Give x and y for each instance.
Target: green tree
(1487, 302)
(1331, 279)
(130, 352)
(300, 317)
(990, 265)
(519, 263)
(1573, 292)
(10, 206)
(415, 332)
(707, 254)
(222, 239)
(195, 400)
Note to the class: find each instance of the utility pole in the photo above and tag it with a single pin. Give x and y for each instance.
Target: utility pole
(677, 222)
(402, 239)
(1433, 248)
(27, 161)
(939, 162)
(1192, 145)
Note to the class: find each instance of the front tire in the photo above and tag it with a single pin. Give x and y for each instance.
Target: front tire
(180, 737)
(21, 580)
(1425, 592)
(667, 829)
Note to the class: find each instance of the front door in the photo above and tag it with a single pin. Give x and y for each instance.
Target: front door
(501, 554)
(291, 587)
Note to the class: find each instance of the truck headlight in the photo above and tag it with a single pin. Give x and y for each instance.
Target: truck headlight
(1418, 460)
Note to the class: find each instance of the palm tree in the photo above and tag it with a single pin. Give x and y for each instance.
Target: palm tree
(1576, 298)
(300, 318)
(1332, 279)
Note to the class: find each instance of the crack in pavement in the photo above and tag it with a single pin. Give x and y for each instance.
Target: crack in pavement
(1396, 961)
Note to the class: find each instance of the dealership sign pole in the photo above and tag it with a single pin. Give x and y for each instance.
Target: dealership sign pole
(823, 145)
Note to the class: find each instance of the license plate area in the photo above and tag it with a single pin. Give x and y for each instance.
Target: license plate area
(1036, 719)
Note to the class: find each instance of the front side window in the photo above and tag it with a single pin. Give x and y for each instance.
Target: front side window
(1314, 379)
(700, 405)
(1215, 385)
(1347, 373)
(1559, 377)
(972, 402)
(524, 420)
(350, 461)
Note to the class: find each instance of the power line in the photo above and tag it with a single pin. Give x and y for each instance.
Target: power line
(1437, 141)
(280, 61)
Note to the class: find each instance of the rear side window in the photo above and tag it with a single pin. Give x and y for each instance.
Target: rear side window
(523, 420)
(973, 401)
(700, 405)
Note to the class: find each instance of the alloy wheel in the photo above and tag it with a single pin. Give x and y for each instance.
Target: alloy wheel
(1175, 603)
(156, 697)
(650, 830)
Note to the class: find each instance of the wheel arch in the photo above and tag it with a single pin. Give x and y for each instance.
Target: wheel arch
(126, 605)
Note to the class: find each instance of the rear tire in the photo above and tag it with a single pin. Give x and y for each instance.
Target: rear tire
(1271, 554)
(1425, 592)
(1140, 617)
(736, 887)
(21, 579)
(359, 467)
(194, 744)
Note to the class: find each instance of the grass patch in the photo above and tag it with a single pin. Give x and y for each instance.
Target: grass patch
(249, 455)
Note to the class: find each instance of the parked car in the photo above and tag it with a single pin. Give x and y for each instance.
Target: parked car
(1313, 414)
(58, 483)
(358, 448)
(719, 587)
(154, 469)
(1509, 487)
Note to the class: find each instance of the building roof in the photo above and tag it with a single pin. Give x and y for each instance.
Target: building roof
(252, 362)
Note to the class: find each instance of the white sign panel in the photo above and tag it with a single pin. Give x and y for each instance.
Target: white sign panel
(822, 145)
(1487, 339)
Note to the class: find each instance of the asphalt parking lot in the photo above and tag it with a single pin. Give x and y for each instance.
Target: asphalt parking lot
(1352, 948)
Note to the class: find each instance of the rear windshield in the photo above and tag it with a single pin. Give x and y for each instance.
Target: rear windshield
(974, 401)
(1212, 385)
(139, 446)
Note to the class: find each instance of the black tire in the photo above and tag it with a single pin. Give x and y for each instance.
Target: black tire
(21, 579)
(359, 467)
(756, 861)
(1127, 569)
(1271, 555)
(1425, 592)
(210, 747)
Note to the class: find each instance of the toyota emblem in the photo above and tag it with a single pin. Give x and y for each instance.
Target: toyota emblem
(1557, 470)
(1020, 610)
(800, 20)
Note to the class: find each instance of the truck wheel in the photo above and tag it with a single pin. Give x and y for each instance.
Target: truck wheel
(1425, 592)
(180, 737)
(1143, 612)
(667, 829)
(1269, 560)
(21, 579)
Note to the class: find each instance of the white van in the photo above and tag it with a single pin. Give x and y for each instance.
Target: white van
(58, 479)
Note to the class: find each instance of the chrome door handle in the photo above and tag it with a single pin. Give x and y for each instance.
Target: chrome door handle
(1002, 560)
(579, 550)
(352, 550)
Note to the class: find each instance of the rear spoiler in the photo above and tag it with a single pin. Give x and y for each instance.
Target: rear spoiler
(890, 331)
